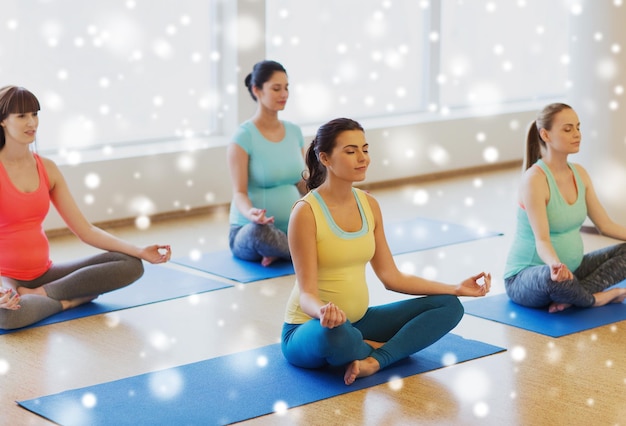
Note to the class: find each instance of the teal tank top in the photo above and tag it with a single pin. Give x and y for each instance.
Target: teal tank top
(274, 169)
(565, 221)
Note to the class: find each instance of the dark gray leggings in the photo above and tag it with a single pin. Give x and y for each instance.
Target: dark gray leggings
(599, 270)
(90, 276)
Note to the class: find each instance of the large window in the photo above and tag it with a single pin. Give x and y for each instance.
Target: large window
(113, 72)
(377, 58)
(495, 52)
(349, 57)
(129, 72)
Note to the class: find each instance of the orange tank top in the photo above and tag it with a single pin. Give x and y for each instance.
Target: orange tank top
(24, 248)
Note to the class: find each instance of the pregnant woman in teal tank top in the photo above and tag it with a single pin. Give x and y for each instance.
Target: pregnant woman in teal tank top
(546, 266)
(265, 159)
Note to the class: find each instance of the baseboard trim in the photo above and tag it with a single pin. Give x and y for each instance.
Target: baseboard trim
(208, 210)
(448, 174)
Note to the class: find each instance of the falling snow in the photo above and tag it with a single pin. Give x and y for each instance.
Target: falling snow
(113, 78)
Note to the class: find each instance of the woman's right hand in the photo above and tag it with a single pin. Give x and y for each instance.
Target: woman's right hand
(559, 272)
(258, 216)
(331, 316)
(9, 299)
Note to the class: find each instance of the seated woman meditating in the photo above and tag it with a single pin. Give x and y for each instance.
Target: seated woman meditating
(547, 267)
(334, 231)
(33, 287)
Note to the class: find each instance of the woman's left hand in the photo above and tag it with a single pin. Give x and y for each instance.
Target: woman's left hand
(472, 286)
(258, 216)
(156, 253)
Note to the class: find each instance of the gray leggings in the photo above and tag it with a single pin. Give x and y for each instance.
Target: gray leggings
(90, 276)
(598, 270)
(253, 242)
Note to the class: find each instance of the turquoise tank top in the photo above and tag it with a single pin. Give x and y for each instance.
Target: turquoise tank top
(565, 221)
(274, 169)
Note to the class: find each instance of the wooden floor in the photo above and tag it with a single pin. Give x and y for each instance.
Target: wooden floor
(574, 380)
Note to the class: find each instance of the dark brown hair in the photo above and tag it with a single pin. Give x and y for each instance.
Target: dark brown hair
(15, 100)
(261, 73)
(325, 142)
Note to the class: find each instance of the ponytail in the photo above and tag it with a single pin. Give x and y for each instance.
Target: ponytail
(317, 171)
(534, 143)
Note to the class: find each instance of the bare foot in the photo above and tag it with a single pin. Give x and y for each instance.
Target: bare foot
(360, 368)
(373, 343)
(558, 307)
(72, 303)
(268, 260)
(619, 298)
(614, 295)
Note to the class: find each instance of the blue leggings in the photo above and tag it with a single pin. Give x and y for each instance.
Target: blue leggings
(406, 327)
(252, 242)
(598, 270)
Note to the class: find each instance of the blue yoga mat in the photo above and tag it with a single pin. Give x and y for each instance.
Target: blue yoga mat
(224, 264)
(423, 234)
(573, 320)
(229, 389)
(157, 284)
(403, 237)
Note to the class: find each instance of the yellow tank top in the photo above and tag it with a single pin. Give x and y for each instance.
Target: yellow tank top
(341, 260)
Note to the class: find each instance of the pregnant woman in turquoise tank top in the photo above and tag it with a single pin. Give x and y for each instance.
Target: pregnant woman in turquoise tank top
(546, 266)
(265, 160)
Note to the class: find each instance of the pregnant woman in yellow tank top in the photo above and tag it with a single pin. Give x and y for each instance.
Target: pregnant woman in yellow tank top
(333, 232)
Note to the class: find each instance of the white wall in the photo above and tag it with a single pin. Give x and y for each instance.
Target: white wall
(177, 181)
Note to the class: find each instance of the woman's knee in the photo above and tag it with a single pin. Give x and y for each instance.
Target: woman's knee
(531, 287)
(134, 268)
(5, 319)
(621, 250)
(446, 307)
(131, 266)
(453, 306)
(10, 320)
(449, 302)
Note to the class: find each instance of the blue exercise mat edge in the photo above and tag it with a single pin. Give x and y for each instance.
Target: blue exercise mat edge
(501, 309)
(417, 234)
(219, 390)
(427, 233)
(223, 264)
